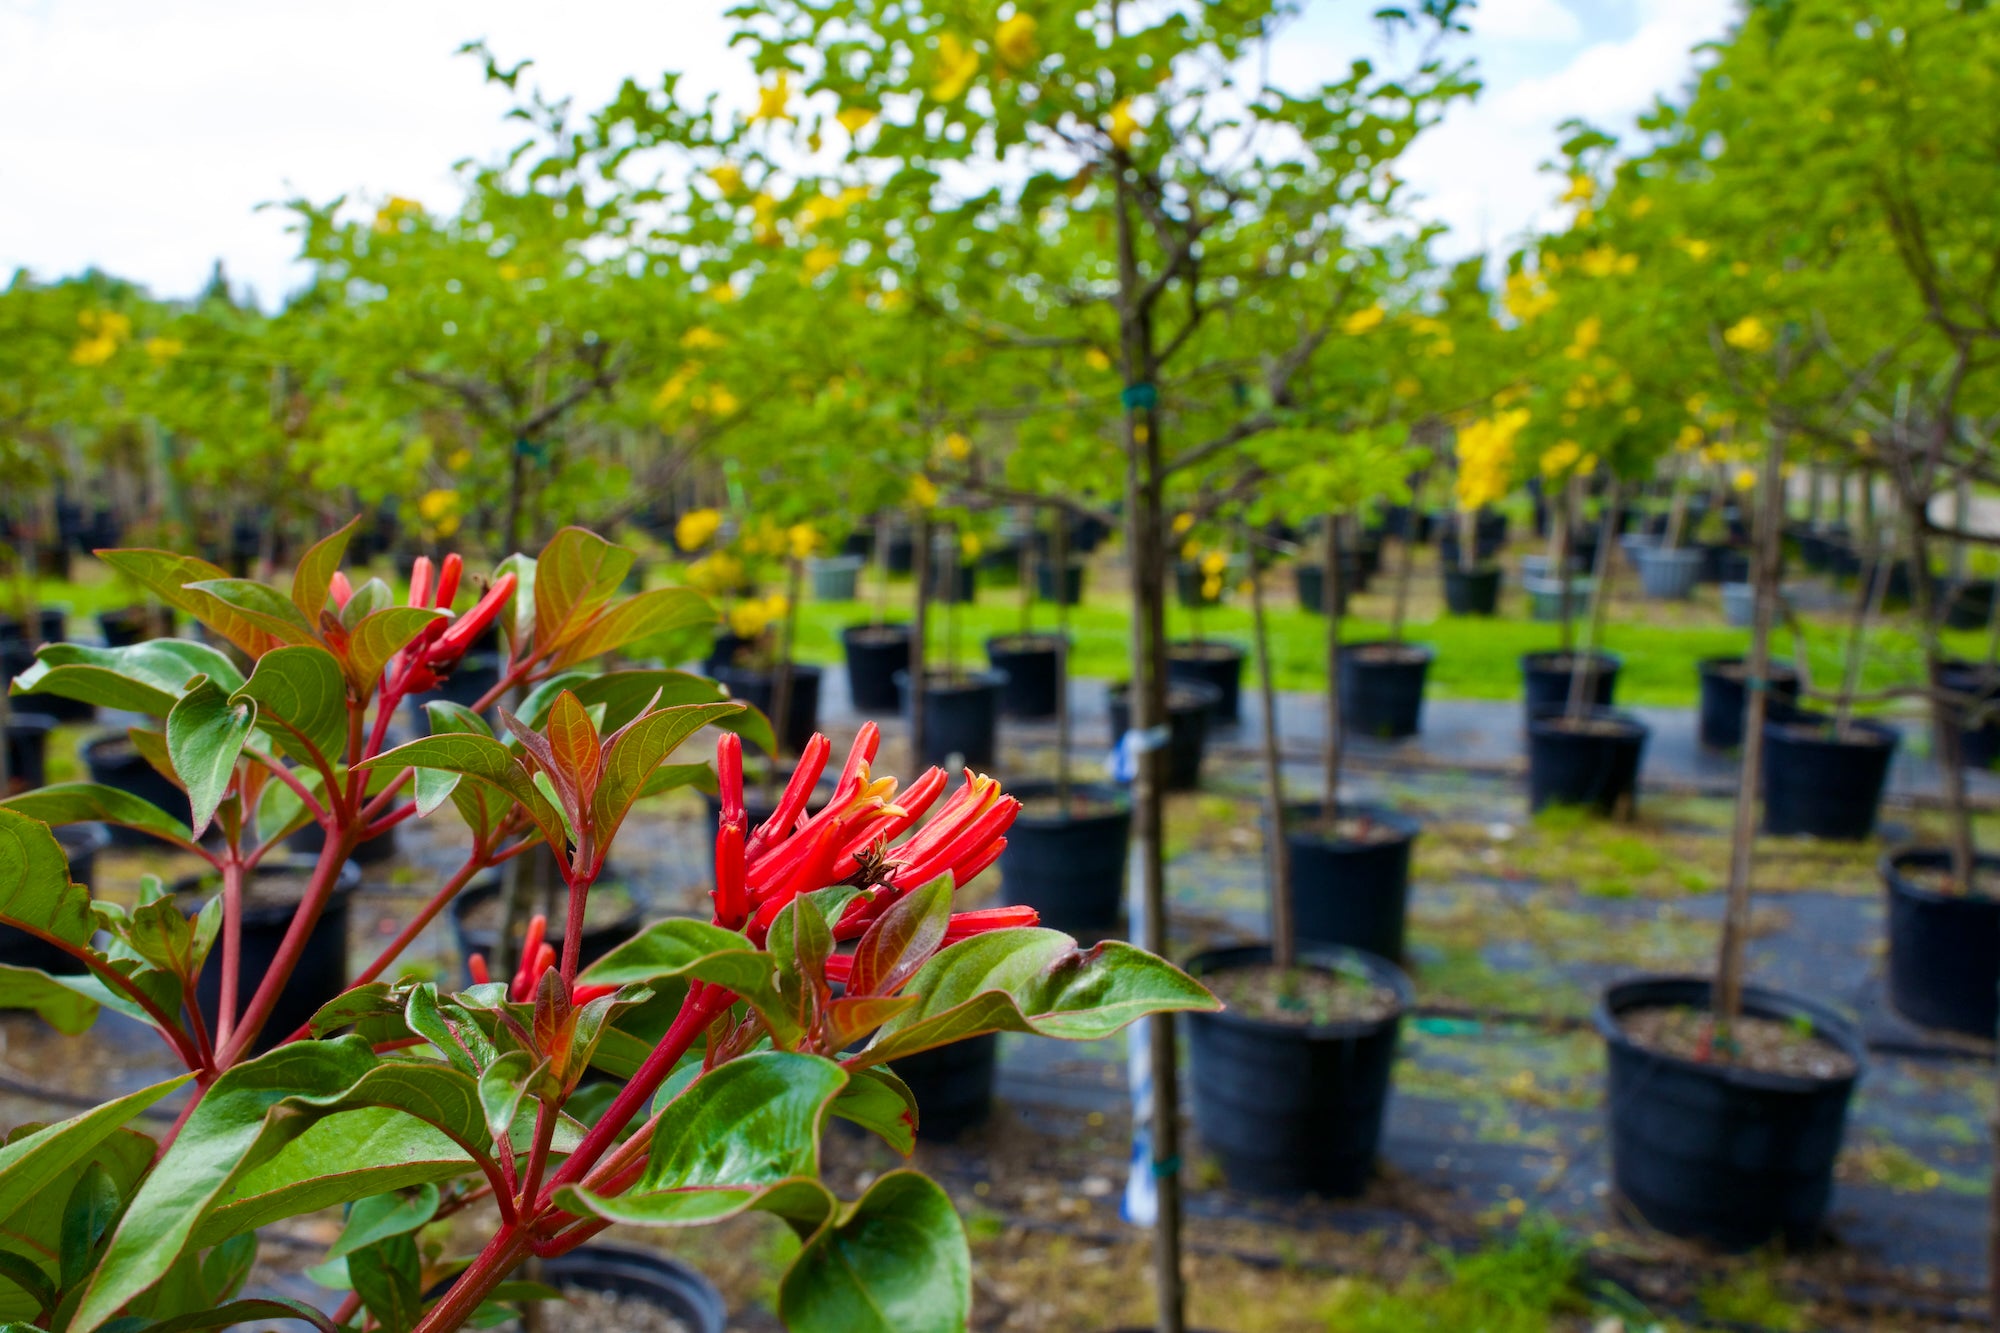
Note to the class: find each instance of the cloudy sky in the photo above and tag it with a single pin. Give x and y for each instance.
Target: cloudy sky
(142, 135)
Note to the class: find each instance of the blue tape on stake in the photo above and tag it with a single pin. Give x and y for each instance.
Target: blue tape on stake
(1139, 397)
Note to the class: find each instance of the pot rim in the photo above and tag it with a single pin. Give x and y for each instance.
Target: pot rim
(1408, 826)
(1049, 642)
(30, 723)
(1534, 660)
(1241, 652)
(1890, 868)
(847, 630)
(1326, 957)
(1545, 723)
(722, 671)
(1429, 654)
(989, 678)
(482, 890)
(1211, 695)
(1711, 666)
(1774, 1004)
(1100, 791)
(1889, 737)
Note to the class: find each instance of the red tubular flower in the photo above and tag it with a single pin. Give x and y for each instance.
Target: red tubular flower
(341, 589)
(476, 966)
(812, 762)
(448, 647)
(448, 576)
(964, 925)
(839, 968)
(420, 581)
(732, 904)
(584, 994)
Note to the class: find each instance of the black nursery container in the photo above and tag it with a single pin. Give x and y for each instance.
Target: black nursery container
(1822, 785)
(957, 584)
(1382, 688)
(1190, 704)
(1351, 892)
(1217, 665)
(27, 751)
(759, 689)
(597, 941)
(1969, 604)
(1032, 665)
(1592, 762)
(953, 1085)
(1979, 746)
(115, 762)
(1546, 679)
(131, 625)
(1069, 865)
(1072, 583)
(1472, 592)
(1289, 1109)
(1310, 579)
(875, 653)
(1717, 1153)
(1724, 698)
(321, 973)
(1944, 948)
(80, 845)
(961, 717)
(661, 1281)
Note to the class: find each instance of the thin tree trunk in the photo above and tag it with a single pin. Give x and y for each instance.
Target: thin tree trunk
(1600, 600)
(882, 527)
(1277, 852)
(1408, 558)
(1571, 491)
(1867, 605)
(1767, 534)
(920, 567)
(1025, 572)
(781, 681)
(1060, 550)
(1946, 719)
(1331, 744)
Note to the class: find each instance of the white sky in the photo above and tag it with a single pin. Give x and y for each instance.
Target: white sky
(141, 136)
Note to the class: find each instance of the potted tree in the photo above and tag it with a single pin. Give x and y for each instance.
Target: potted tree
(1031, 661)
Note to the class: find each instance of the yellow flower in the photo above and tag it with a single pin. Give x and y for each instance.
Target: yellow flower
(1485, 450)
(1694, 249)
(458, 460)
(1362, 321)
(93, 351)
(1211, 588)
(969, 543)
(1744, 479)
(1214, 563)
(439, 509)
(855, 119)
(1190, 549)
(1526, 298)
(748, 619)
(802, 540)
(1014, 41)
(818, 260)
(728, 178)
(923, 492)
(1582, 190)
(772, 98)
(1097, 358)
(1748, 335)
(1587, 334)
(163, 350)
(701, 338)
(715, 575)
(957, 446)
(108, 331)
(1560, 458)
(1642, 205)
(1690, 438)
(956, 64)
(1182, 524)
(1407, 387)
(1601, 261)
(1124, 125)
(693, 529)
(394, 210)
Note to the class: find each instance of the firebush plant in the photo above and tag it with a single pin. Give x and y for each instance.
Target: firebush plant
(727, 1043)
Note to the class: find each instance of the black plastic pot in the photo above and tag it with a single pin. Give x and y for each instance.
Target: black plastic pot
(953, 1085)
(134, 624)
(1190, 705)
(961, 585)
(1944, 948)
(27, 751)
(321, 973)
(1471, 592)
(1546, 678)
(1979, 746)
(1820, 785)
(640, 1275)
(1351, 892)
(1289, 1109)
(1382, 688)
(1217, 665)
(1969, 604)
(1070, 867)
(1490, 541)
(1190, 586)
(114, 761)
(16, 657)
(309, 841)
(1713, 1152)
(1072, 583)
(961, 717)
(759, 689)
(875, 653)
(1032, 665)
(80, 843)
(1310, 578)
(1724, 699)
(485, 940)
(902, 554)
(51, 621)
(1595, 764)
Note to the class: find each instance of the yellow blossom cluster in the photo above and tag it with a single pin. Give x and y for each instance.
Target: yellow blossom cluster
(1486, 457)
(715, 575)
(696, 528)
(957, 62)
(1749, 334)
(1567, 456)
(1601, 261)
(439, 511)
(753, 615)
(923, 492)
(1527, 297)
(1363, 321)
(104, 332)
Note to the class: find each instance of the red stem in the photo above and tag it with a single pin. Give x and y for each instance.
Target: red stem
(232, 946)
(510, 1245)
(325, 875)
(557, 1246)
(538, 1153)
(303, 792)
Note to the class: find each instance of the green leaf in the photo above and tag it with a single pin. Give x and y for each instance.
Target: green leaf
(517, 618)
(28, 1276)
(313, 578)
(737, 1131)
(380, 1216)
(91, 802)
(142, 678)
(576, 573)
(433, 786)
(683, 947)
(624, 694)
(32, 1162)
(895, 1261)
(642, 748)
(482, 759)
(256, 1310)
(61, 1007)
(92, 1208)
(1033, 980)
(370, 597)
(262, 605)
(502, 1088)
(35, 892)
(380, 636)
(672, 777)
(205, 736)
(301, 689)
(876, 1099)
(388, 1277)
(171, 578)
(657, 612)
(902, 940)
(447, 1026)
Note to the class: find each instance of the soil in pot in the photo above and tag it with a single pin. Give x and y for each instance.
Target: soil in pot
(961, 717)
(1822, 783)
(1190, 704)
(1591, 761)
(1209, 663)
(1724, 700)
(610, 1289)
(1736, 1150)
(759, 688)
(1546, 679)
(270, 901)
(1382, 688)
(875, 653)
(1350, 882)
(1032, 665)
(1944, 962)
(116, 762)
(1066, 858)
(1290, 1103)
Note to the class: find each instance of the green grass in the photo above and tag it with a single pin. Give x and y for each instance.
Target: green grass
(1524, 1286)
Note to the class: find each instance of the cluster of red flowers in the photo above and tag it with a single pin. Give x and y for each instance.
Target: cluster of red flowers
(431, 656)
